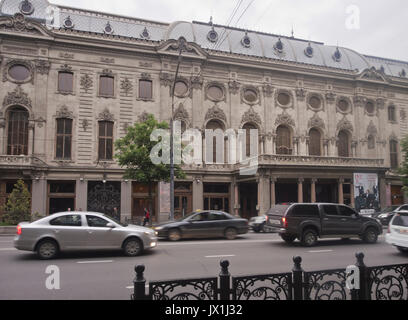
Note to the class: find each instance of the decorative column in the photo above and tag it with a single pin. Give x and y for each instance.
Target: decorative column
(2, 136)
(341, 194)
(300, 190)
(198, 194)
(273, 191)
(81, 197)
(31, 127)
(353, 201)
(313, 190)
(237, 200)
(39, 196)
(264, 203)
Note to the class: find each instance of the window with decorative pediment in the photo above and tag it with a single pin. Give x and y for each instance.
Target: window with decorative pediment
(248, 127)
(371, 142)
(344, 144)
(107, 86)
(105, 140)
(214, 125)
(64, 139)
(145, 89)
(283, 140)
(315, 142)
(394, 154)
(17, 133)
(65, 81)
(392, 114)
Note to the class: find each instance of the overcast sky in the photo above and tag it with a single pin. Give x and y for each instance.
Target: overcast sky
(381, 25)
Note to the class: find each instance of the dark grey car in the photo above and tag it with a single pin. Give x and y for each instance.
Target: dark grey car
(204, 224)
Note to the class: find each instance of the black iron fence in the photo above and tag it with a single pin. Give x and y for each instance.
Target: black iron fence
(358, 283)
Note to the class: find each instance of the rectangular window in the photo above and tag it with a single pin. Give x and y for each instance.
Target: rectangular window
(105, 140)
(394, 154)
(64, 139)
(65, 82)
(305, 211)
(106, 86)
(145, 89)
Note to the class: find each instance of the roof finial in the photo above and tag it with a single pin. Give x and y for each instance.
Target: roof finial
(293, 32)
(211, 21)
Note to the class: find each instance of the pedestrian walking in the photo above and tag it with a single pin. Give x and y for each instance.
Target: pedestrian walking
(146, 217)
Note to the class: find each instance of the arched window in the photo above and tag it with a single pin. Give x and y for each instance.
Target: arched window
(371, 142)
(394, 154)
(283, 141)
(248, 127)
(344, 144)
(17, 138)
(315, 142)
(214, 125)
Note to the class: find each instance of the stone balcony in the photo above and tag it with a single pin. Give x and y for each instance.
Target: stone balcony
(21, 162)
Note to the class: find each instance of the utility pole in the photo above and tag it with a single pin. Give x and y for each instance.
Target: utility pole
(181, 42)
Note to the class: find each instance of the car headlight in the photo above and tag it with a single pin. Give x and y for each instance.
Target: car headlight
(383, 216)
(149, 233)
(158, 228)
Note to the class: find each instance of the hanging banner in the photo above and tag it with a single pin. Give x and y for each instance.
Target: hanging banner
(366, 191)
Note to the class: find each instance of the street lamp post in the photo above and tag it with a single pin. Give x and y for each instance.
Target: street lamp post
(181, 42)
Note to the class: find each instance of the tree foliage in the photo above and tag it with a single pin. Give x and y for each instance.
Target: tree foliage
(403, 170)
(18, 206)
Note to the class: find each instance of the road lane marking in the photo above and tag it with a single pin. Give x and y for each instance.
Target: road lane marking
(215, 242)
(89, 262)
(222, 256)
(320, 251)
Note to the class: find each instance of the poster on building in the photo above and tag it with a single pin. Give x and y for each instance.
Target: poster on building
(366, 192)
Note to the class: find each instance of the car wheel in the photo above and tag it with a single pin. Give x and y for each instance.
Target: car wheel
(174, 235)
(47, 249)
(288, 239)
(402, 250)
(257, 230)
(231, 233)
(263, 228)
(309, 238)
(370, 235)
(133, 247)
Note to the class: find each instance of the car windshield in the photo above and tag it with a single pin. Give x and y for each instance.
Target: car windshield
(390, 209)
(187, 216)
(116, 221)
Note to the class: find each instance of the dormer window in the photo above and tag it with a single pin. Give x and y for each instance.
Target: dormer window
(403, 73)
(279, 46)
(108, 29)
(68, 23)
(26, 7)
(246, 41)
(145, 34)
(309, 51)
(212, 36)
(337, 55)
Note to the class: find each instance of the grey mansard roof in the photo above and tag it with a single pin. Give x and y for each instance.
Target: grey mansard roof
(228, 40)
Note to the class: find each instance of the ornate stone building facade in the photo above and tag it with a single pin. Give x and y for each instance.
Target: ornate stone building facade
(73, 80)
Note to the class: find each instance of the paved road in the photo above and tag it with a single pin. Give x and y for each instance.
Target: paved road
(109, 275)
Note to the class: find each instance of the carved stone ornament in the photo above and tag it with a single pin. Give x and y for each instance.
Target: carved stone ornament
(143, 117)
(251, 116)
(316, 122)
(234, 86)
(380, 103)
(374, 75)
(105, 115)
(372, 129)
(344, 124)
(403, 114)
(85, 124)
(182, 114)
(166, 79)
(197, 82)
(359, 101)
(145, 76)
(301, 94)
(10, 63)
(64, 113)
(19, 23)
(284, 119)
(42, 66)
(216, 113)
(330, 97)
(66, 68)
(268, 90)
(17, 97)
(107, 72)
(126, 86)
(86, 83)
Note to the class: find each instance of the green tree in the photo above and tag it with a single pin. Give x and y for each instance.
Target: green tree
(403, 170)
(18, 207)
(133, 153)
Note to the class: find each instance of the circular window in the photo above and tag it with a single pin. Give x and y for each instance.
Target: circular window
(370, 107)
(212, 36)
(68, 23)
(250, 95)
(343, 105)
(181, 88)
(26, 7)
(309, 51)
(19, 72)
(315, 102)
(215, 93)
(246, 42)
(108, 28)
(145, 34)
(283, 99)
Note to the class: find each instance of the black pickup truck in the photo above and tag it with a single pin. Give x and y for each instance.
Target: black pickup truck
(309, 222)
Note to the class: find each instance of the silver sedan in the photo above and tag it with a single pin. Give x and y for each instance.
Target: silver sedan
(72, 231)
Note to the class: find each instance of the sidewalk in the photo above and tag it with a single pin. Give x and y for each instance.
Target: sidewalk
(7, 231)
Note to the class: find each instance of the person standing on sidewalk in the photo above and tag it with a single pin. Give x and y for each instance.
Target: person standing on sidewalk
(146, 217)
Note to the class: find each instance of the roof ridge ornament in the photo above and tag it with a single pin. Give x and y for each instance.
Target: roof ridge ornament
(279, 46)
(212, 35)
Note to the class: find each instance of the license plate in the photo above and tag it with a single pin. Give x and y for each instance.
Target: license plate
(275, 222)
(403, 231)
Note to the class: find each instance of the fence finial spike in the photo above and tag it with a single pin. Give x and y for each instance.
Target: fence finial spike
(360, 258)
(140, 269)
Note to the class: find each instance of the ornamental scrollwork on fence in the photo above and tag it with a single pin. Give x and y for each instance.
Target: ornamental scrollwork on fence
(193, 289)
(326, 285)
(267, 287)
(388, 283)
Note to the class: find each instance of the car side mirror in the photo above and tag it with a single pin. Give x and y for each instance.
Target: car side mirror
(110, 225)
